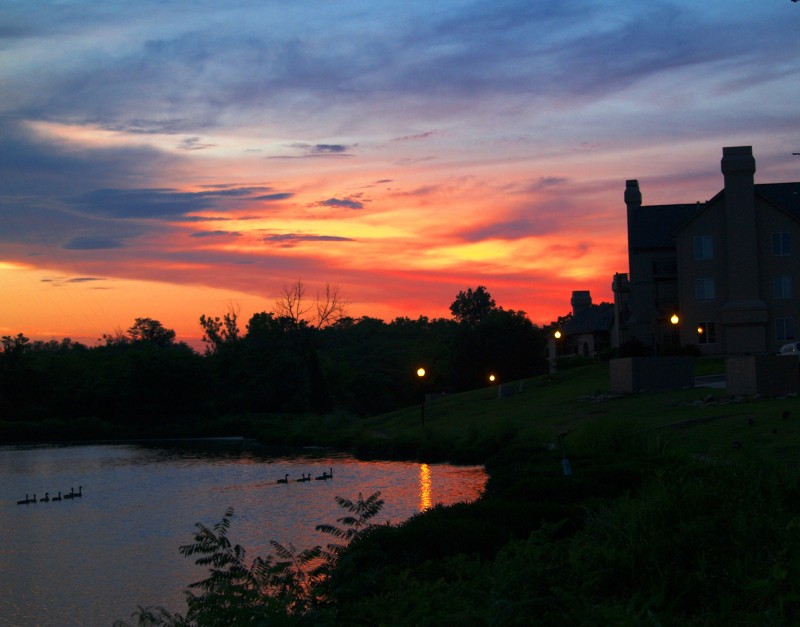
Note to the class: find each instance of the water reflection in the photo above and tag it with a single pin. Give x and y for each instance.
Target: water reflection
(424, 487)
(92, 560)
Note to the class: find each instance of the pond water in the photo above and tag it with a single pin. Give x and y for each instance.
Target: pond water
(94, 559)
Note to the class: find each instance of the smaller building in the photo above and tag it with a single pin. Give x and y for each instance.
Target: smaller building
(587, 332)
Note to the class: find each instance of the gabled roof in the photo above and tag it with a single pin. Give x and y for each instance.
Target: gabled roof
(590, 320)
(654, 226)
(784, 195)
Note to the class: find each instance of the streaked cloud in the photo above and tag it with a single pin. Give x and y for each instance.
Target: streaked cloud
(345, 203)
(293, 239)
(90, 242)
(216, 234)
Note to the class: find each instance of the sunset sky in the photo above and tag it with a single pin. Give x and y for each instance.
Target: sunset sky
(172, 159)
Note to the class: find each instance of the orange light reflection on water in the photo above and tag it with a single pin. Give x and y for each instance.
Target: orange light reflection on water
(424, 487)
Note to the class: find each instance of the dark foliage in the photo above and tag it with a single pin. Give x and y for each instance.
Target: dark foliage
(144, 383)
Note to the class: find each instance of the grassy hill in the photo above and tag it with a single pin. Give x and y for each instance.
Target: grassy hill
(471, 427)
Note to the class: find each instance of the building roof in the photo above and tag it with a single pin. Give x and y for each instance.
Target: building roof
(784, 195)
(654, 226)
(593, 319)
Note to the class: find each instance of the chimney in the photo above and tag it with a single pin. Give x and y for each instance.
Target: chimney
(633, 197)
(633, 202)
(581, 301)
(738, 168)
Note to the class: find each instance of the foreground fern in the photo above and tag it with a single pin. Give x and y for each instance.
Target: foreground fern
(269, 591)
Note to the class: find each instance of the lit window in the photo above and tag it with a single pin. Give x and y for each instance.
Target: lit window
(784, 329)
(782, 287)
(703, 247)
(704, 290)
(706, 333)
(781, 244)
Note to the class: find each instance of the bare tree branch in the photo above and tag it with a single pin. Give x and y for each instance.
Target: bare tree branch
(328, 306)
(291, 303)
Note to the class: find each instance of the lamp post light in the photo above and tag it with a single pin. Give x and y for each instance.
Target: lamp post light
(674, 320)
(421, 377)
(554, 356)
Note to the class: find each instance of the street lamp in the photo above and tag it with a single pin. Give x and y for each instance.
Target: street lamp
(421, 377)
(674, 319)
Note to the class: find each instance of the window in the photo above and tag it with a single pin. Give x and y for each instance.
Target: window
(704, 290)
(703, 247)
(781, 244)
(782, 287)
(784, 329)
(706, 333)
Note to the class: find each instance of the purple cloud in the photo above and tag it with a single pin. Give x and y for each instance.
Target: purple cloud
(216, 234)
(346, 203)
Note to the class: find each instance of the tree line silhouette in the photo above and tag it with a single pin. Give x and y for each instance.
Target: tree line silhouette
(279, 363)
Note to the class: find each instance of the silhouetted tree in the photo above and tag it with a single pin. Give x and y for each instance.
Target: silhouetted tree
(220, 333)
(470, 307)
(14, 345)
(150, 331)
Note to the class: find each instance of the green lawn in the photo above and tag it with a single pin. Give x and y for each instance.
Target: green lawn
(474, 425)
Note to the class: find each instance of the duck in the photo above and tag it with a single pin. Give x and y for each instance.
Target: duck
(284, 480)
(25, 501)
(325, 476)
(46, 498)
(57, 498)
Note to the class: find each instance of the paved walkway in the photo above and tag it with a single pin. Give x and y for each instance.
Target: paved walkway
(710, 381)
